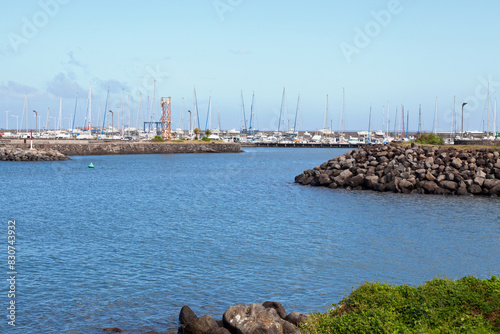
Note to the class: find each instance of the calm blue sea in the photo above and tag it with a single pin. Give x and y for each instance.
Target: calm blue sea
(128, 243)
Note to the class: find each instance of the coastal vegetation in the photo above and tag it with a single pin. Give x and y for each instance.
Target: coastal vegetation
(430, 139)
(157, 139)
(467, 305)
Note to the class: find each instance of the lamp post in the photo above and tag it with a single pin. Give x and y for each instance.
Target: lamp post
(36, 120)
(17, 123)
(189, 111)
(463, 105)
(112, 121)
(7, 119)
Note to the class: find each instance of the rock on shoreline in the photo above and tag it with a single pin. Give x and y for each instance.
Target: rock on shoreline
(411, 169)
(267, 318)
(20, 154)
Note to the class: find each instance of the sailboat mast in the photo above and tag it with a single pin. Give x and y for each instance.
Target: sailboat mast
(139, 116)
(495, 117)
(122, 109)
(209, 113)
(407, 121)
(128, 126)
(370, 124)
(436, 117)
(105, 112)
(342, 114)
(26, 103)
(90, 109)
(154, 106)
(488, 112)
(252, 111)
(282, 113)
(60, 114)
(453, 120)
(326, 113)
(388, 118)
(296, 116)
(182, 116)
(403, 133)
(148, 108)
(218, 122)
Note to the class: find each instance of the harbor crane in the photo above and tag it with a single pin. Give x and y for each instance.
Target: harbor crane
(166, 118)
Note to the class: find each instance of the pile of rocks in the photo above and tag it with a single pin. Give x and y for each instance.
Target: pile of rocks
(411, 169)
(268, 318)
(20, 154)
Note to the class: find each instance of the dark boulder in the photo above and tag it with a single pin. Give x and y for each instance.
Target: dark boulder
(277, 306)
(201, 325)
(296, 318)
(187, 315)
(113, 330)
(255, 318)
(218, 330)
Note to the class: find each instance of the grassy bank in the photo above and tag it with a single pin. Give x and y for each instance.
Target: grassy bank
(468, 305)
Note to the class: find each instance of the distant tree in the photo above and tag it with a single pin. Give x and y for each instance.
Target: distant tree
(208, 133)
(197, 132)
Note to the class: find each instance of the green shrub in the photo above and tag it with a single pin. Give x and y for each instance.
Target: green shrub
(157, 139)
(205, 139)
(430, 139)
(467, 305)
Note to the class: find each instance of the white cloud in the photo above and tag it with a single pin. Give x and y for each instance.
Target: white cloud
(64, 85)
(15, 90)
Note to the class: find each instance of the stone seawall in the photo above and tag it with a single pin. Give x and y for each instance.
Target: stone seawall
(90, 147)
(21, 154)
(411, 169)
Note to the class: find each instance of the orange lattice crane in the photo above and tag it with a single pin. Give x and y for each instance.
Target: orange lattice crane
(166, 118)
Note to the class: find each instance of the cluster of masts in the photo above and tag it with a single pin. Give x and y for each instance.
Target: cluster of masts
(247, 126)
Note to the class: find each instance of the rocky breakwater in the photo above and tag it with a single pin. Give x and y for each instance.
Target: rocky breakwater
(20, 154)
(411, 169)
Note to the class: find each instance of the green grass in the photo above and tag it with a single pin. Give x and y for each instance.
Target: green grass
(467, 305)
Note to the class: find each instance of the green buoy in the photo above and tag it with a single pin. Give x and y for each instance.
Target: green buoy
(91, 165)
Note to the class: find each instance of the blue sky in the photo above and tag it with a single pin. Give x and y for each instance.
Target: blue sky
(403, 52)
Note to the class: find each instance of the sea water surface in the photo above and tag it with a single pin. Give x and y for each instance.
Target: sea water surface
(128, 243)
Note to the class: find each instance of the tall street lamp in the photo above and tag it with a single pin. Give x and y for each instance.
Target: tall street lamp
(112, 122)
(463, 105)
(36, 120)
(189, 111)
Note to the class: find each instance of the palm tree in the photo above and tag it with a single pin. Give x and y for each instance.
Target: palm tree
(208, 133)
(197, 132)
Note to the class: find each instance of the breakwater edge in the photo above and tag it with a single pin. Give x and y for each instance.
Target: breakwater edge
(89, 147)
(411, 169)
